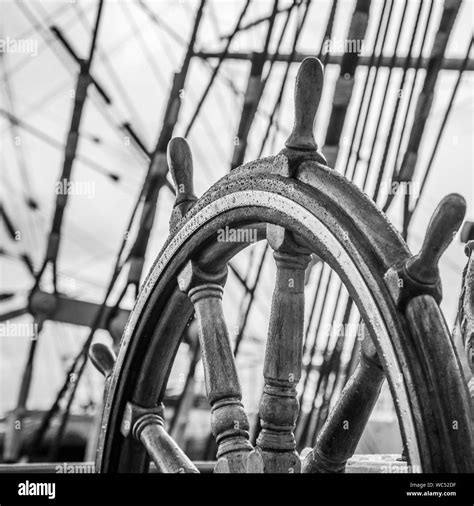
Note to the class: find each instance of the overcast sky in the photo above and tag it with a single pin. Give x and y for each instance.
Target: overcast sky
(41, 81)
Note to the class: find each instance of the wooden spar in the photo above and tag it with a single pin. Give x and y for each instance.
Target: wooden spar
(345, 83)
(58, 33)
(251, 100)
(276, 107)
(67, 310)
(425, 98)
(100, 88)
(252, 97)
(440, 133)
(80, 96)
(379, 44)
(337, 59)
(216, 69)
(11, 229)
(256, 22)
(158, 167)
(390, 135)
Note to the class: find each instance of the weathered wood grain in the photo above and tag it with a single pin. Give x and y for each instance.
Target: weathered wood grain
(147, 425)
(180, 163)
(340, 434)
(282, 369)
(229, 421)
(420, 274)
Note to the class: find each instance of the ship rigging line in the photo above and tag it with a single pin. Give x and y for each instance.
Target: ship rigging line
(327, 36)
(35, 27)
(441, 129)
(244, 316)
(325, 268)
(385, 94)
(335, 355)
(351, 174)
(362, 99)
(100, 103)
(285, 76)
(54, 238)
(250, 291)
(329, 361)
(152, 186)
(216, 70)
(408, 106)
(114, 77)
(21, 163)
(397, 105)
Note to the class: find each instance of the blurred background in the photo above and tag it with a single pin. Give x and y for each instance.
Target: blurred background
(231, 65)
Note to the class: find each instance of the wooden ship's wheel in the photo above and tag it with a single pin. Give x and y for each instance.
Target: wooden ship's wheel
(300, 206)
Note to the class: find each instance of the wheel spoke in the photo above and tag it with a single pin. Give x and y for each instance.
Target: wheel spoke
(229, 421)
(148, 427)
(282, 370)
(341, 433)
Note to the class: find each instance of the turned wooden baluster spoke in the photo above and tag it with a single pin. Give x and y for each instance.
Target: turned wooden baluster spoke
(147, 425)
(228, 419)
(279, 407)
(229, 422)
(276, 445)
(340, 434)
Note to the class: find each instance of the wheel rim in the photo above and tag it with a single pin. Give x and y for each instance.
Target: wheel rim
(274, 207)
